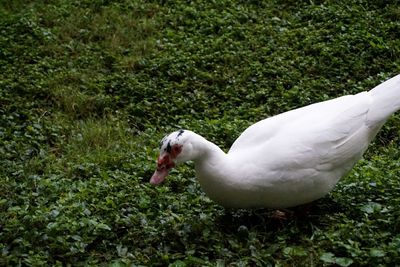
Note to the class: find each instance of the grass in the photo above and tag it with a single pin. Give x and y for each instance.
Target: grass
(88, 88)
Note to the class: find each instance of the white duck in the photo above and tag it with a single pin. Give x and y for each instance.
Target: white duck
(289, 159)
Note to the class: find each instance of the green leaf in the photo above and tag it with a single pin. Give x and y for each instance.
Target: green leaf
(371, 207)
(295, 251)
(327, 257)
(103, 226)
(377, 253)
(344, 262)
(178, 263)
(118, 263)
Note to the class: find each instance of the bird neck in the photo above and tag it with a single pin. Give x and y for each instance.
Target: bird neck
(211, 162)
(216, 172)
(205, 151)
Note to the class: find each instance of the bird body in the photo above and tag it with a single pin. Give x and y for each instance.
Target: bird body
(289, 159)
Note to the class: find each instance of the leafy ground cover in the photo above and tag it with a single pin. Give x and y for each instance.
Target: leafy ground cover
(88, 88)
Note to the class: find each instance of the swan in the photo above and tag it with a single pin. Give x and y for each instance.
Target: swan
(286, 160)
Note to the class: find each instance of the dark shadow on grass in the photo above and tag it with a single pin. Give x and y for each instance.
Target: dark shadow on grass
(273, 220)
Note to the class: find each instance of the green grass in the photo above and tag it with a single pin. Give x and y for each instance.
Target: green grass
(88, 88)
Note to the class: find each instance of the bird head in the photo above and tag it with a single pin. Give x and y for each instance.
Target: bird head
(173, 150)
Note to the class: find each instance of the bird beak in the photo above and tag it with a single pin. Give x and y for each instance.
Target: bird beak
(159, 176)
(164, 165)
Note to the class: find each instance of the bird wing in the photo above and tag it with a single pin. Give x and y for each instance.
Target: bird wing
(321, 136)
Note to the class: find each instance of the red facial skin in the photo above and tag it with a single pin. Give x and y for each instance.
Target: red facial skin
(164, 164)
(175, 151)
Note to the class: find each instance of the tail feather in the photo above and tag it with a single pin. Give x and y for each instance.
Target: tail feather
(385, 100)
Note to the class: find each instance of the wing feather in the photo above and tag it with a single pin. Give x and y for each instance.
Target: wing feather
(322, 136)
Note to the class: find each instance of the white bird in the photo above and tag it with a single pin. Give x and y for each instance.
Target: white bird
(289, 159)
